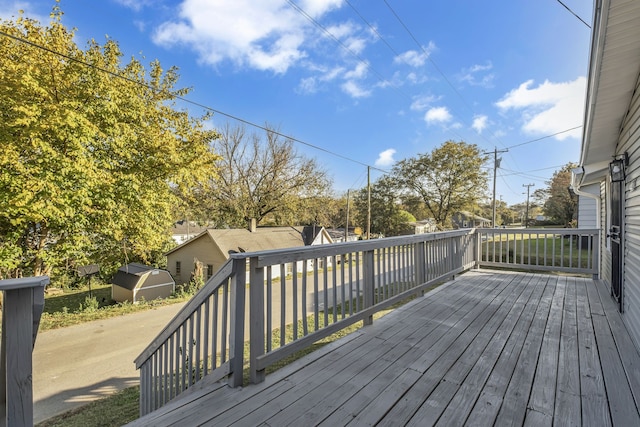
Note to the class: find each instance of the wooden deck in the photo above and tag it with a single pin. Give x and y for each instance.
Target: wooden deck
(489, 348)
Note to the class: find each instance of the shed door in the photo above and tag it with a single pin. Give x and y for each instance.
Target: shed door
(616, 234)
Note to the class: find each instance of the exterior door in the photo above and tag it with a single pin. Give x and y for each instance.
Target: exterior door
(616, 234)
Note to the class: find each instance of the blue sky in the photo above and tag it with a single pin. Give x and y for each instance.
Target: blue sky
(372, 81)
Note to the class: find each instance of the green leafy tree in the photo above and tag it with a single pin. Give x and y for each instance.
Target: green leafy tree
(262, 178)
(387, 216)
(88, 160)
(561, 203)
(448, 179)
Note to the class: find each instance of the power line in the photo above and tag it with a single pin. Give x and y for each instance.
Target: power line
(544, 137)
(574, 14)
(183, 99)
(342, 45)
(446, 79)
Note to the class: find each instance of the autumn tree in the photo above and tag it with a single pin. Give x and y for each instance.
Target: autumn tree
(91, 149)
(261, 177)
(560, 203)
(448, 179)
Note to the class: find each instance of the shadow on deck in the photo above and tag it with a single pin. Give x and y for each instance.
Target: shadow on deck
(488, 348)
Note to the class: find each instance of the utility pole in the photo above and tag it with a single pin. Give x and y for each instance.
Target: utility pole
(346, 228)
(496, 165)
(368, 202)
(526, 219)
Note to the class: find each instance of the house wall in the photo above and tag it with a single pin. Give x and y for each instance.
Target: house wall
(587, 207)
(203, 249)
(630, 142)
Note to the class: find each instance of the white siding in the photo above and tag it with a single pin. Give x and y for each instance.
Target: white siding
(630, 142)
(587, 209)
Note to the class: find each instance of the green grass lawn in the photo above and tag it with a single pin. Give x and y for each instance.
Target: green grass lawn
(531, 250)
(73, 306)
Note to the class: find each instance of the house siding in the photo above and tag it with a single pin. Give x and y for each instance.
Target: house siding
(630, 142)
(587, 207)
(202, 249)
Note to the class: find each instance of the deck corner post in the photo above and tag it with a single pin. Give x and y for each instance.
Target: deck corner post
(236, 332)
(369, 284)
(256, 320)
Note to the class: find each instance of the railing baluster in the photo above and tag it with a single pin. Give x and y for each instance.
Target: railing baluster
(269, 313)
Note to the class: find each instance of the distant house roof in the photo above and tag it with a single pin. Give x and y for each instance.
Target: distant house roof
(262, 239)
(338, 233)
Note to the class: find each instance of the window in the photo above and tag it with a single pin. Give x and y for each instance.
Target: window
(209, 271)
(178, 267)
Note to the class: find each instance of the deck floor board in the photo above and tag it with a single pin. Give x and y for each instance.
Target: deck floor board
(489, 348)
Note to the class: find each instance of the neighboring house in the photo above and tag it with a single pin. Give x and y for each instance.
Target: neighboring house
(337, 235)
(609, 167)
(184, 230)
(424, 226)
(135, 282)
(465, 219)
(208, 251)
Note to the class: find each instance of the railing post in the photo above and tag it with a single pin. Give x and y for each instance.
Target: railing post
(21, 310)
(478, 248)
(595, 253)
(256, 319)
(369, 284)
(236, 331)
(419, 264)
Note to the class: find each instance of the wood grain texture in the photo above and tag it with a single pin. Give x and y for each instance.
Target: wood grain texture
(490, 348)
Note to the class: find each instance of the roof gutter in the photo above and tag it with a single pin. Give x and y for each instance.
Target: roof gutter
(600, 15)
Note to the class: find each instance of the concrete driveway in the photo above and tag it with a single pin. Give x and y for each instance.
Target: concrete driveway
(78, 364)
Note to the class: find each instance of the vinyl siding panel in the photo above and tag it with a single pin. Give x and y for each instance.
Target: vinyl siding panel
(630, 142)
(587, 207)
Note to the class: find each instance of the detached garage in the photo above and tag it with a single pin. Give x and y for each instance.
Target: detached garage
(134, 282)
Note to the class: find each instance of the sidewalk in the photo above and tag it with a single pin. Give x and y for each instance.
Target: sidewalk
(78, 364)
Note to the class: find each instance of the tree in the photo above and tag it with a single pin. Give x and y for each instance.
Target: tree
(448, 179)
(262, 178)
(88, 160)
(561, 203)
(387, 216)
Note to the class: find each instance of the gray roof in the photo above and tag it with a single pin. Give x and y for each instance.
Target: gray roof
(262, 239)
(129, 276)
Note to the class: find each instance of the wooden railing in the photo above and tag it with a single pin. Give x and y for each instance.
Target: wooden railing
(23, 302)
(570, 250)
(298, 296)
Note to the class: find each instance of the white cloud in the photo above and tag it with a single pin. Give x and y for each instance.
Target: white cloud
(353, 89)
(548, 108)
(478, 75)
(136, 5)
(421, 103)
(386, 158)
(437, 115)
(415, 58)
(9, 10)
(479, 123)
(265, 35)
